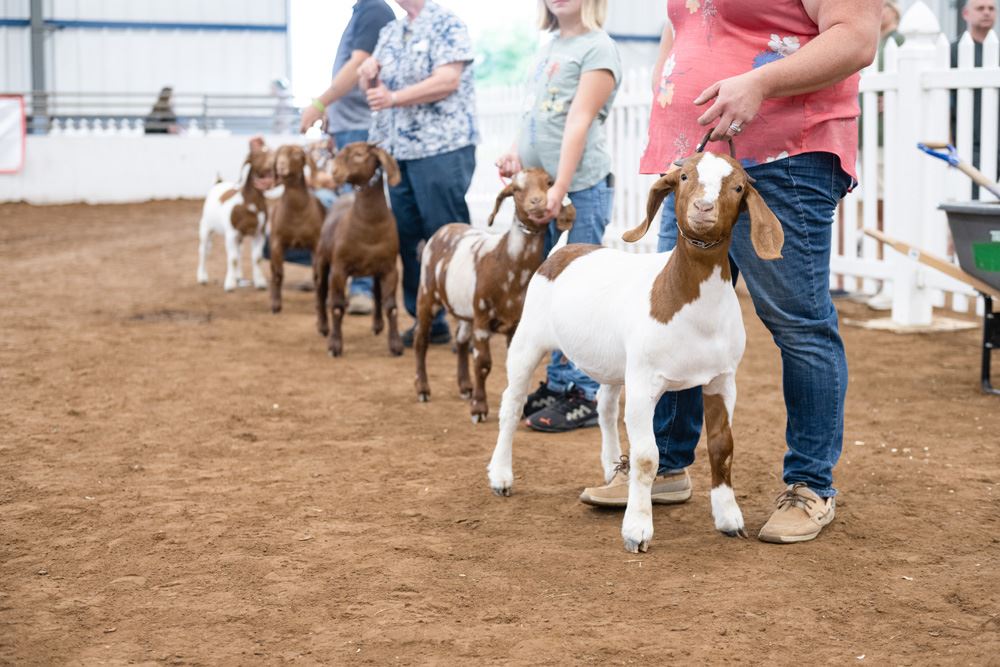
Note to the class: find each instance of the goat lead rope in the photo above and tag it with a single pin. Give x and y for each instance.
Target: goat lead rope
(700, 148)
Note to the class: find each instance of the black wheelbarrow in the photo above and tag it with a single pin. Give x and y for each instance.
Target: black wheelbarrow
(975, 230)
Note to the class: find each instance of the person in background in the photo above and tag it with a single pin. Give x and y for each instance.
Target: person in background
(572, 90)
(162, 119)
(346, 108)
(783, 85)
(284, 112)
(420, 87)
(980, 17)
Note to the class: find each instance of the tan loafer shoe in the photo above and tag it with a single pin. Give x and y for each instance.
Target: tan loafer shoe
(667, 489)
(799, 517)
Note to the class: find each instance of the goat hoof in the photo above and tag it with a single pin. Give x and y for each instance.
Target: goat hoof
(635, 547)
(396, 350)
(423, 396)
(335, 351)
(323, 331)
(742, 532)
(276, 309)
(465, 394)
(502, 491)
(260, 286)
(478, 418)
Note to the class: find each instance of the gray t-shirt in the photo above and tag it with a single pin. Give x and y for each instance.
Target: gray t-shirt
(552, 89)
(351, 111)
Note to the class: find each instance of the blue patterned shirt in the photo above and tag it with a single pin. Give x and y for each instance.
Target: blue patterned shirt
(408, 52)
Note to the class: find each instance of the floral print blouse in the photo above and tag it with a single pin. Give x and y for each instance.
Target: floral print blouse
(716, 39)
(408, 52)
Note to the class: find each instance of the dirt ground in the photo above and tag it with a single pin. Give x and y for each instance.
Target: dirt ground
(186, 478)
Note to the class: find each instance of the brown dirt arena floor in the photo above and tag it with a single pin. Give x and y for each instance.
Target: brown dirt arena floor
(186, 478)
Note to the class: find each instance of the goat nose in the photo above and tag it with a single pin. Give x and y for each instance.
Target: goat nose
(703, 205)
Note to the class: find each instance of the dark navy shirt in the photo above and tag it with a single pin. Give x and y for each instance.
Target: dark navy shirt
(351, 111)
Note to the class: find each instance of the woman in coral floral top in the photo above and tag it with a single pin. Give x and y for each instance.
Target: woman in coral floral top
(780, 77)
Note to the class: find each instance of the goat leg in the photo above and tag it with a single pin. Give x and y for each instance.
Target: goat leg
(338, 306)
(482, 363)
(377, 321)
(321, 277)
(257, 257)
(388, 283)
(277, 273)
(720, 398)
(640, 401)
(463, 334)
(421, 335)
(204, 246)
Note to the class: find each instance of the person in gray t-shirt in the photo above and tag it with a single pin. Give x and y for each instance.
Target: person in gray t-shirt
(346, 107)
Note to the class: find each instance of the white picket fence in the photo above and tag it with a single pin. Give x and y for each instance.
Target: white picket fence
(915, 84)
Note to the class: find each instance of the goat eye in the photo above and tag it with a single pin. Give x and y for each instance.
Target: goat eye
(739, 188)
(684, 177)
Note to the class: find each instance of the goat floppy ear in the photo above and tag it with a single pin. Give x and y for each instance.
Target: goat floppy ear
(389, 165)
(765, 228)
(506, 192)
(661, 188)
(566, 218)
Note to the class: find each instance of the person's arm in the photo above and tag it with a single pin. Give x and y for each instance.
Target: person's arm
(666, 43)
(341, 84)
(442, 82)
(593, 92)
(847, 42)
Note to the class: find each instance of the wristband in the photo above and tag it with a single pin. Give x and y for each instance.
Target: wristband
(319, 106)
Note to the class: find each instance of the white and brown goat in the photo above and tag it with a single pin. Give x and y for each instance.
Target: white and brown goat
(296, 218)
(653, 323)
(236, 211)
(359, 238)
(480, 279)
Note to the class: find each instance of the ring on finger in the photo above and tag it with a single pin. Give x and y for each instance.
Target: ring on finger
(735, 127)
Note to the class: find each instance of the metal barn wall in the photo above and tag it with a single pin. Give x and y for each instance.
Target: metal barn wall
(138, 46)
(15, 46)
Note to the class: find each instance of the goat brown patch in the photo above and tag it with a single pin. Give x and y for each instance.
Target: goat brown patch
(679, 283)
(720, 439)
(558, 262)
(227, 195)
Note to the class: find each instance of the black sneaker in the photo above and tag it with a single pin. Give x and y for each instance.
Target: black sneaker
(570, 412)
(442, 337)
(543, 397)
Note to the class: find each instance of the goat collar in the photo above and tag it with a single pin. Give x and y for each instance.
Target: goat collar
(376, 177)
(698, 243)
(528, 229)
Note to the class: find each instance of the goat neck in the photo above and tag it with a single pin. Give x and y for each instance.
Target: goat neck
(371, 196)
(679, 282)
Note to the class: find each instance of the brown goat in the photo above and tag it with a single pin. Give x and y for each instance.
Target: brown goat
(359, 238)
(481, 278)
(297, 216)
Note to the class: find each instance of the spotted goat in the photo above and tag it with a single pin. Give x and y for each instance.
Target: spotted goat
(480, 279)
(651, 323)
(236, 211)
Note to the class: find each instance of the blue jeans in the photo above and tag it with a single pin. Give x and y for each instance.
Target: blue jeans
(430, 194)
(792, 297)
(593, 213)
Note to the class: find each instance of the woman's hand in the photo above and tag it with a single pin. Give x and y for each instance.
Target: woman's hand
(380, 97)
(309, 116)
(737, 101)
(368, 72)
(509, 163)
(554, 204)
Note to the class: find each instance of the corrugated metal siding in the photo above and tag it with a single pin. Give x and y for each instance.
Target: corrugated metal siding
(180, 11)
(142, 60)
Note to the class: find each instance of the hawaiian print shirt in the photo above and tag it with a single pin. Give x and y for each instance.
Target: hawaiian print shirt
(408, 52)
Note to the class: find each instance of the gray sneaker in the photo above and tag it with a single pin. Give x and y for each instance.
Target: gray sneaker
(670, 489)
(360, 304)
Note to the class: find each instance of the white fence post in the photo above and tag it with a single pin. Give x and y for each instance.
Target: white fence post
(906, 214)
